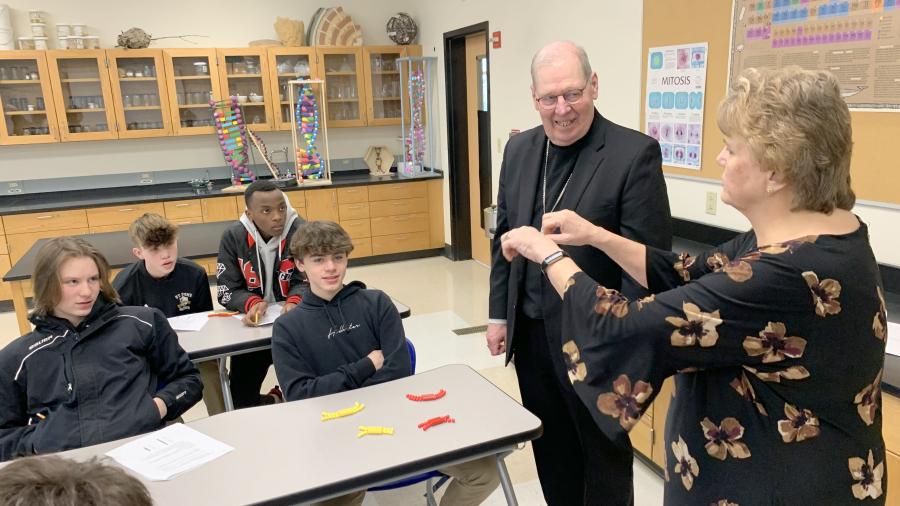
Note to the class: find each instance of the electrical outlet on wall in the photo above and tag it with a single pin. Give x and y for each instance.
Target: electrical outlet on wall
(15, 187)
(711, 199)
(147, 178)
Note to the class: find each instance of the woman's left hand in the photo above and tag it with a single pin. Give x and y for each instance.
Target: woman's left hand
(528, 242)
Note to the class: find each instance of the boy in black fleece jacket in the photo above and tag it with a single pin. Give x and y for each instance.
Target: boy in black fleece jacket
(344, 337)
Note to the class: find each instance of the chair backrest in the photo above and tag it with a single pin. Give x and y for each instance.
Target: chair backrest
(412, 354)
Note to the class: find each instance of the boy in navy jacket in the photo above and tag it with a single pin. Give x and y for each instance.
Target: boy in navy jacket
(341, 337)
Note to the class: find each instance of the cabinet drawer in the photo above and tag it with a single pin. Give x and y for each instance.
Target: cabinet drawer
(110, 228)
(183, 209)
(19, 244)
(357, 228)
(118, 215)
(33, 222)
(297, 199)
(394, 191)
(352, 194)
(892, 466)
(5, 290)
(188, 221)
(353, 211)
(220, 209)
(399, 243)
(641, 439)
(361, 248)
(890, 422)
(394, 207)
(402, 224)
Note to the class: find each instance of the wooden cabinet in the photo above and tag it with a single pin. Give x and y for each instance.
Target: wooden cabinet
(82, 95)
(192, 78)
(19, 244)
(383, 85)
(648, 435)
(288, 64)
(220, 208)
(121, 215)
(183, 209)
(890, 430)
(297, 199)
(361, 248)
(401, 224)
(357, 229)
(109, 228)
(392, 207)
(139, 92)
(5, 265)
(353, 211)
(400, 243)
(352, 194)
(51, 220)
(344, 73)
(29, 111)
(245, 73)
(322, 204)
(398, 190)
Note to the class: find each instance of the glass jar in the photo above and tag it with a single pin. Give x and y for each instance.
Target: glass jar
(126, 100)
(201, 68)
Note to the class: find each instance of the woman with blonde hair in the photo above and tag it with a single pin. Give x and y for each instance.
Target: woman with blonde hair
(776, 339)
(91, 371)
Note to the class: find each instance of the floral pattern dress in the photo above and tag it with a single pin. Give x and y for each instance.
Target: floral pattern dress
(777, 353)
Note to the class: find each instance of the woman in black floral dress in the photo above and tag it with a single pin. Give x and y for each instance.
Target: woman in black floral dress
(776, 339)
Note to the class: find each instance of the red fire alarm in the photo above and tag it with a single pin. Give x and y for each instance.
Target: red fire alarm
(496, 38)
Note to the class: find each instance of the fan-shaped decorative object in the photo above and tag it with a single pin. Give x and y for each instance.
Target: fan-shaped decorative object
(333, 27)
(402, 29)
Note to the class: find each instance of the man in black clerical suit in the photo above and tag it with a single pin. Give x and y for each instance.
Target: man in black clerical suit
(611, 176)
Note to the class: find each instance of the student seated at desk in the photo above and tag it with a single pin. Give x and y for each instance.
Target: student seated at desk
(346, 337)
(175, 286)
(254, 270)
(90, 371)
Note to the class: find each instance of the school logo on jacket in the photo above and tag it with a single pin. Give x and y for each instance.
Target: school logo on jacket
(343, 328)
(184, 301)
(250, 277)
(285, 271)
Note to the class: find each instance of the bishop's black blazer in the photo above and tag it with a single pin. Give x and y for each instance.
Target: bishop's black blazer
(617, 183)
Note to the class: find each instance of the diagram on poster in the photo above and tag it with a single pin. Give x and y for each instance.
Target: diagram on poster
(676, 84)
(856, 40)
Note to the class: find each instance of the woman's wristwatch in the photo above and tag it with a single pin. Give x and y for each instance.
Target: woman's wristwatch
(552, 259)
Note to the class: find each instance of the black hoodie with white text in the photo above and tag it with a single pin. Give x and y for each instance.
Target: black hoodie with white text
(321, 347)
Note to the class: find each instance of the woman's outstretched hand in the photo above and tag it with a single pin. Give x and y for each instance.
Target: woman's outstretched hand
(529, 243)
(566, 227)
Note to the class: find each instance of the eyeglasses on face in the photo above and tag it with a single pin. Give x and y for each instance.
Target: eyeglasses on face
(571, 97)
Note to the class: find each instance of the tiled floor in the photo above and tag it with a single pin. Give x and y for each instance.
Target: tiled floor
(443, 296)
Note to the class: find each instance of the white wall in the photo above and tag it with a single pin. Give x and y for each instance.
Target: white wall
(229, 23)
(609, 30)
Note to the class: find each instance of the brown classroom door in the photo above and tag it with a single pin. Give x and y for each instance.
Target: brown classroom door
(475, 52)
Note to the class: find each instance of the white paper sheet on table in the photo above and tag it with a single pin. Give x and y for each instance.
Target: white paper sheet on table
(166, 453)
(893, 344)
(273, 312)
(190, 322)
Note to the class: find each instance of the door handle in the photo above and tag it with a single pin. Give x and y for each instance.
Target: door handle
(400, 186)
(402, 238)
(123, 210)
(355, 207)
(333, 199)
(44, 217)
(182, 205)
(206, 209)
(402, 219)
(400, 203)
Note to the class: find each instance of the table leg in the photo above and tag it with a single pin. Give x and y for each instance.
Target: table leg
(18, 297)
(226, 385)
(504, 479)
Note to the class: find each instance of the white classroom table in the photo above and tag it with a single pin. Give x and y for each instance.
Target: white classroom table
(225, 336)
(284, 454)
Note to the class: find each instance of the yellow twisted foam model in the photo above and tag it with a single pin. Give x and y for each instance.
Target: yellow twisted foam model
(344, 412)
(375, 431)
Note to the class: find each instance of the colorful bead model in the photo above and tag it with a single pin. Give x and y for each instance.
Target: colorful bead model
(229, 119)
(344, 412)
(261, 147)
(426, 397)
(307, 116)
(415, 143)
(375, 431)
(436, 421)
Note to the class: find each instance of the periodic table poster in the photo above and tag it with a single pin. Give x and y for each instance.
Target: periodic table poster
(857, 40)
(676, 84)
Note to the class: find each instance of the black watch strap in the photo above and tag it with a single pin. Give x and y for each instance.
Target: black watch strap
(552, 259)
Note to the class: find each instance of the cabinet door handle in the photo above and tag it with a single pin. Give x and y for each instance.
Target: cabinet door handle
(356, 207)
(182, 205)
(305, 202)
(206, 209)
(123, 210)
(400, 186)
(402, 238)
(44, 217)
(333, 199)
(352, 191)
(400, 203)
(185, 222)
(402, 219)
(355, 224)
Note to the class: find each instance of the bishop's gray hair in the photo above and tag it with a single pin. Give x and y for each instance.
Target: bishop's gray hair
(547, 56)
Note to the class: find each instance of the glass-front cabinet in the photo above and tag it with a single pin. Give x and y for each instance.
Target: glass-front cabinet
(344, 71)
(83, 98)
(139, 92)
(26, 99)
(287, 64)
(246, 76)
(193, 80)
(384, 85)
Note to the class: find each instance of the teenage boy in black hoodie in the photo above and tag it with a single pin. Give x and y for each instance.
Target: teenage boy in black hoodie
(254, 270)
(91, 370)
(342, 337)
(175, 286)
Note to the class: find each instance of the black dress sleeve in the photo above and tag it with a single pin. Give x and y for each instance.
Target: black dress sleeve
(667, 269)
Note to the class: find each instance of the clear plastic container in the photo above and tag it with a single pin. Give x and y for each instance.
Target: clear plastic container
(92, 42)
(37, 16)
(76, 42)
(37, 29)
(63, 42)
(201, 68)
(78, 29)
(63, 30)
(26, 43)
(41, 43)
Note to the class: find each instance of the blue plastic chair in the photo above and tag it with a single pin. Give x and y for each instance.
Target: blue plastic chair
(430, 487)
